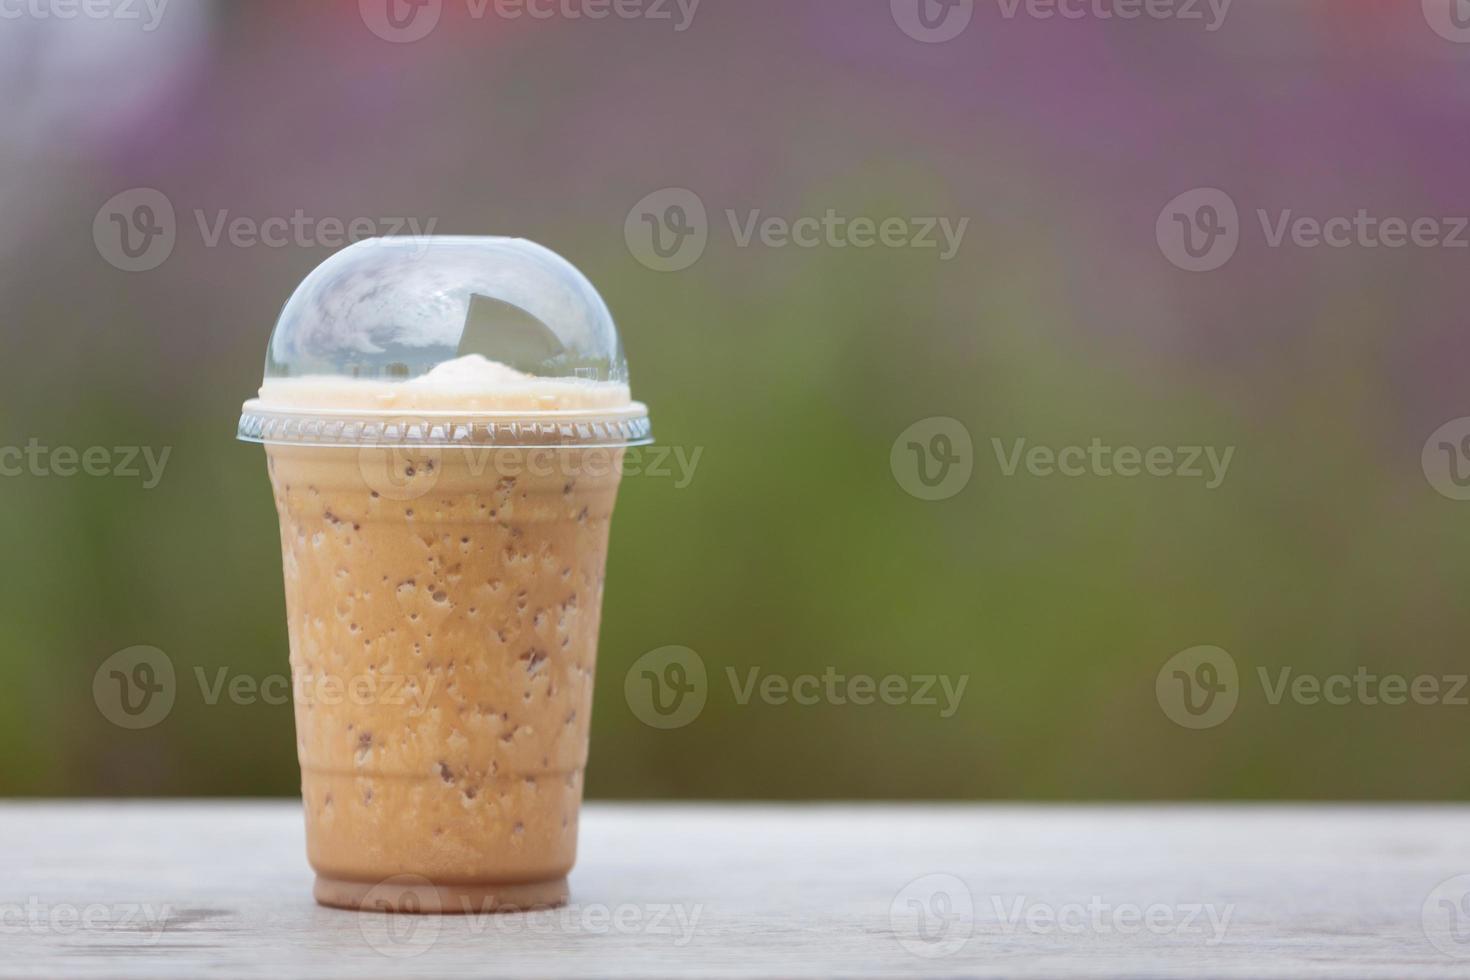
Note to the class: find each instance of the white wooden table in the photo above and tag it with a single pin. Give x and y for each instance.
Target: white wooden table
(222, 889)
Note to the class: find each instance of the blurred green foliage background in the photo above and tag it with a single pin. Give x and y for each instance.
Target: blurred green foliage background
(794, 548)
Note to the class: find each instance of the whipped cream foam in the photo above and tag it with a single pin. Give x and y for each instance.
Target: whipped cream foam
(472, 383)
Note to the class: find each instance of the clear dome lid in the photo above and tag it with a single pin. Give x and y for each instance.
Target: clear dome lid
(445, 340)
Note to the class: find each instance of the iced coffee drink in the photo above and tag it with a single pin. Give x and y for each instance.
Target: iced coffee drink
(444, 539)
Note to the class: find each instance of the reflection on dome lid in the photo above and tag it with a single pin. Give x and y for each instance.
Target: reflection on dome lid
(394, 308)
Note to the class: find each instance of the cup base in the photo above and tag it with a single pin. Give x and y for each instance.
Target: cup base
(410, 894)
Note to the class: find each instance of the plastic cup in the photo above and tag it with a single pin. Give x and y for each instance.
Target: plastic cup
(444, 422)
